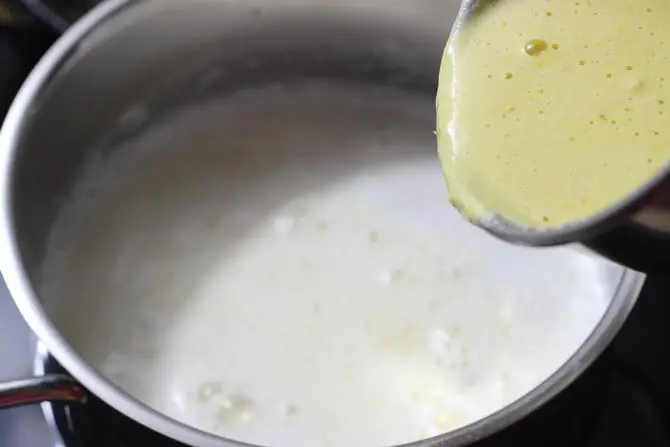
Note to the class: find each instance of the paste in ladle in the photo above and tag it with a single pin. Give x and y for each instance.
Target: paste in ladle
(552, 111)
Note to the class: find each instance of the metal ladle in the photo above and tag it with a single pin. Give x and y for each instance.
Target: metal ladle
(634, 232)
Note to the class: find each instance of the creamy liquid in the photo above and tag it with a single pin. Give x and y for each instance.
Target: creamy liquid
(550, 111)
(283, 268)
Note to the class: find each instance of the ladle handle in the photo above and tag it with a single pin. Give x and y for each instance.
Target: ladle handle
(51, 387)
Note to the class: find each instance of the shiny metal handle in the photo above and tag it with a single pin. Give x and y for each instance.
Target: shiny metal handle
(52, 387)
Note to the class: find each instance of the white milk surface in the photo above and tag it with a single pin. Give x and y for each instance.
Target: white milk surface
(283, 267)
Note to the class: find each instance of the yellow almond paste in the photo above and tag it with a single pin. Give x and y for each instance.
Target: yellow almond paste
(551, 110)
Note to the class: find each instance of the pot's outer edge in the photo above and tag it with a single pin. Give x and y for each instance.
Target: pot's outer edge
(29, 306)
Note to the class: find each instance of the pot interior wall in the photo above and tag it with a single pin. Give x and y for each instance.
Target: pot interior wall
(161, 54)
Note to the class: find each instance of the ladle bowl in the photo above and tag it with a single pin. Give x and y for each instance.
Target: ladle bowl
(634, 232)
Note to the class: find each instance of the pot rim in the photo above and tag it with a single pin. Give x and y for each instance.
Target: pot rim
(33, 312)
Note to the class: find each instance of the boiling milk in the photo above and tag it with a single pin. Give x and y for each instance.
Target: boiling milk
(284, 268)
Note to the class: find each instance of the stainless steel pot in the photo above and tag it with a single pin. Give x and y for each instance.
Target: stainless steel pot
(171, 52)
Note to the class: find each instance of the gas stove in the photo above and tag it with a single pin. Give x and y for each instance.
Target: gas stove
(622, 400)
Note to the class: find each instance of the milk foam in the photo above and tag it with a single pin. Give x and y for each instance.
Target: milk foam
(284, 268)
